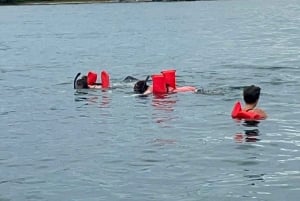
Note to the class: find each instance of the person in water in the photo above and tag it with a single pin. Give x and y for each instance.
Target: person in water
(251, 96)
(82, 83)
(141, 87)
(89, 81)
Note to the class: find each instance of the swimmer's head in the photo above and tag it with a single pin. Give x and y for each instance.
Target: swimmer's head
(82, 83)
(251, 94)
(140, 86)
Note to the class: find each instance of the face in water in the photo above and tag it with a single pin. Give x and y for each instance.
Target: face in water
(81, 83)
(140, 86)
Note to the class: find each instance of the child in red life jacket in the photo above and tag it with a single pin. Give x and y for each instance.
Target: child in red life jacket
(249, 110)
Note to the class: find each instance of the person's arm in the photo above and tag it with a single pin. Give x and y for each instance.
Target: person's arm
(95, 86)
(185, 89)
(262, 113)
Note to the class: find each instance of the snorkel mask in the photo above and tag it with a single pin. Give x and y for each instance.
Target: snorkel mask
(141, 86)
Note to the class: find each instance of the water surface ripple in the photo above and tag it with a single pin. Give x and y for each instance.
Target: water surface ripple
(59, 144)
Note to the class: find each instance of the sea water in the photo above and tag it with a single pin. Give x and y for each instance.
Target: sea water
(60, 144)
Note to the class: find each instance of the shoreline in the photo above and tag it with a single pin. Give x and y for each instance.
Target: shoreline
(66, 2)
(57, 2)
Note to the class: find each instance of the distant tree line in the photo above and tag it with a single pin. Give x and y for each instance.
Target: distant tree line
(11, 2)
(7, 1)
(3, 2)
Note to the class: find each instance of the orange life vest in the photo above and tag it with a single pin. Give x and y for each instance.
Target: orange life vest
(92, 78)
(170, 77)
(238, 113)
(165, 82)
(159, 84)
(105, 79)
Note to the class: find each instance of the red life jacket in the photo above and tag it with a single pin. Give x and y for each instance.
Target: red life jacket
(105, 79)
(238, 113)
(170, 77)
(165, 82)
(159, 84)
(91, 78)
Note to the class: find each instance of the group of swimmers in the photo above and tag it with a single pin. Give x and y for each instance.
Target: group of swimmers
(165, 82)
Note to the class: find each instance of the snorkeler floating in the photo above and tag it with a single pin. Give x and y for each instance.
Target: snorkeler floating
(249, 111)
(162, 83)
(89, 81)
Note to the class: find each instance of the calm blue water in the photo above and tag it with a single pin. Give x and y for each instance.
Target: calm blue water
(57, 144)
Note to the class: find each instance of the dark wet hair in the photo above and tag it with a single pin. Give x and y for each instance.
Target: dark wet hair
(82, 83)
(251, 94)
(140, 86)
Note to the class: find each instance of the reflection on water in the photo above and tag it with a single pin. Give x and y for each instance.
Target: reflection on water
(163, 105)
(88, 96)
(251, 157)
(251, 132)
(161, 142)
(164, 102)
(252, 135)
(252, 178)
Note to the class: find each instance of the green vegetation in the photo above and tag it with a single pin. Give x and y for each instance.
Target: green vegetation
(8, 1)
(18, 2)
(15, 2)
